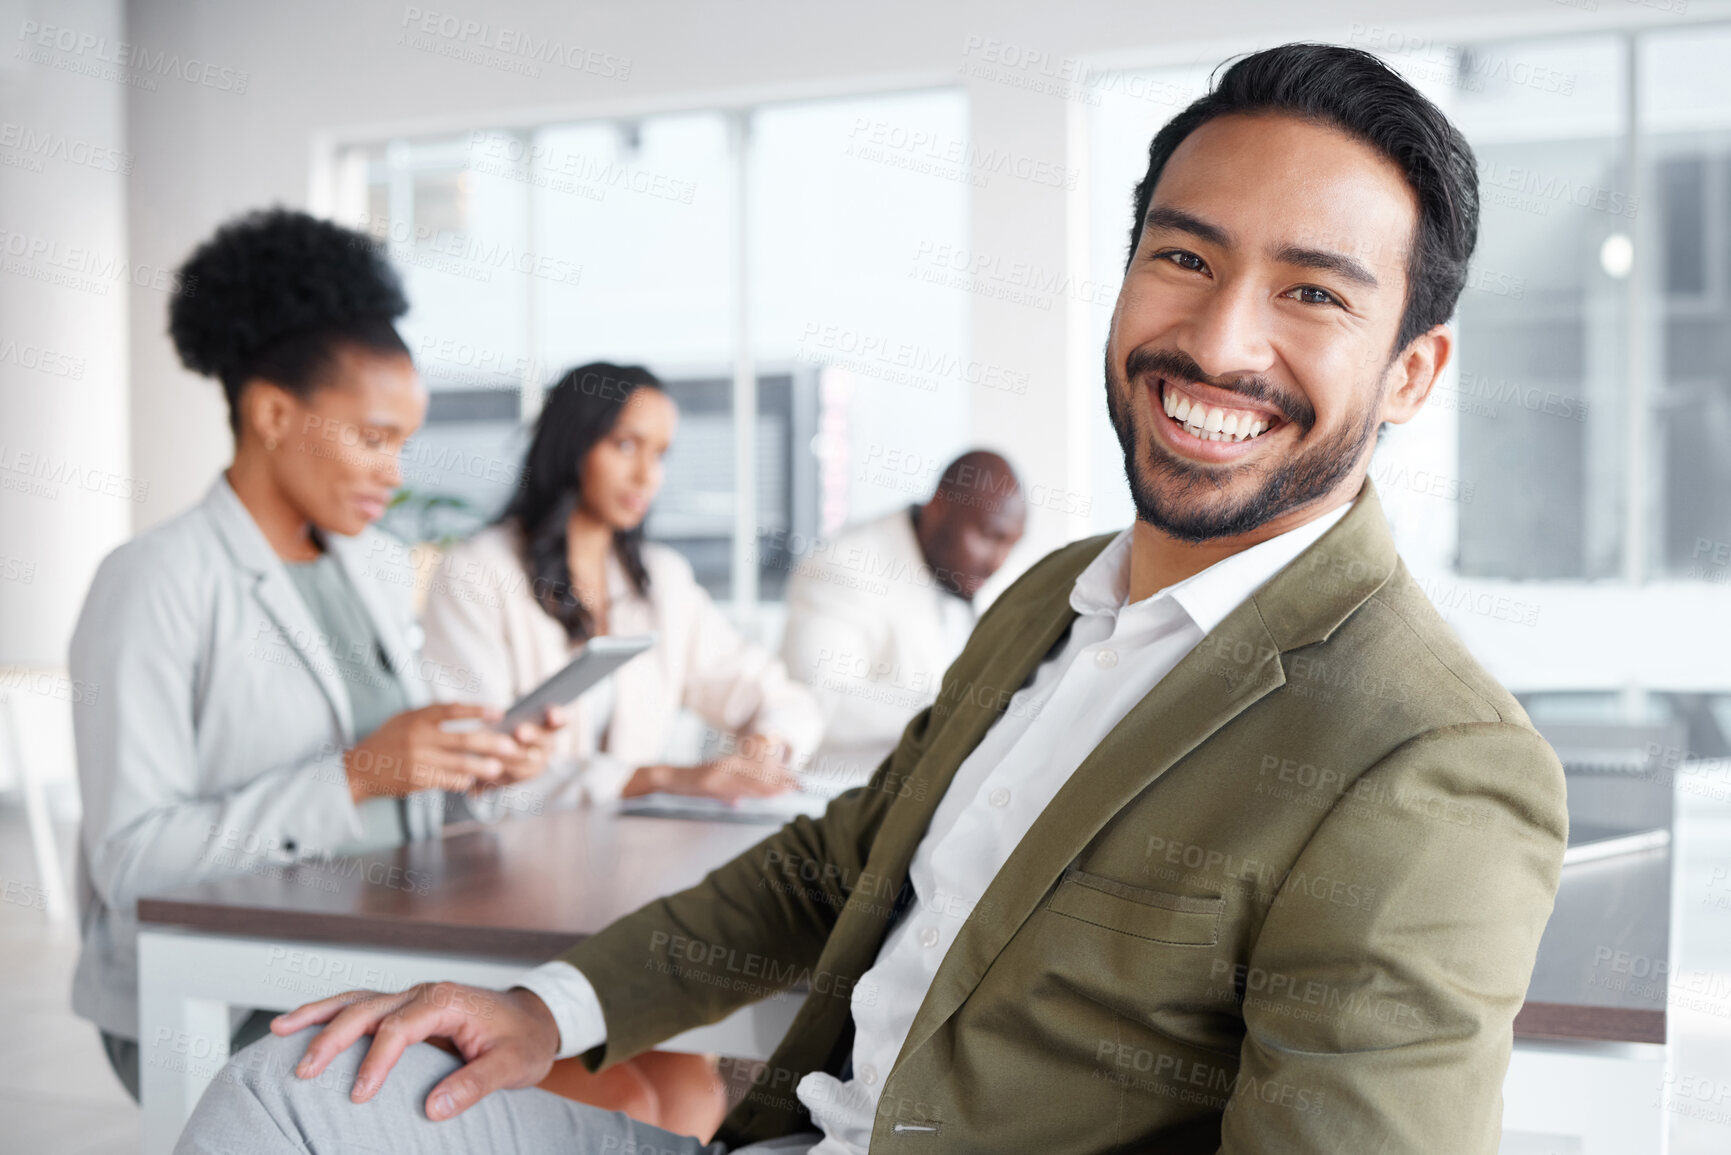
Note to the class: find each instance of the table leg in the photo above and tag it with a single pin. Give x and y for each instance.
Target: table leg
(183, 1039)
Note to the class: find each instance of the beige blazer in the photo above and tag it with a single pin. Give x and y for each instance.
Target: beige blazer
(489, 640)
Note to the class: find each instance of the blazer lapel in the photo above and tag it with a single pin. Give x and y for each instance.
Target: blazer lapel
(280, 600)
(1228, 672)
(965, 709)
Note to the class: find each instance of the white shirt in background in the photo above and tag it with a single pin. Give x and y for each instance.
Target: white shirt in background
(871, 631)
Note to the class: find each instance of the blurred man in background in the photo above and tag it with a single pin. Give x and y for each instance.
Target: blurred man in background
(876, 616)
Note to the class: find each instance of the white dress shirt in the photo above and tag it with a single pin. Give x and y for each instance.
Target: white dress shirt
(1114, 655)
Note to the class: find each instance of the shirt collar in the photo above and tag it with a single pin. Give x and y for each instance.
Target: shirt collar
(1208, 596)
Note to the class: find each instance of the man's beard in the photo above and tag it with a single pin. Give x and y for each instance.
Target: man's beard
(1186, 511)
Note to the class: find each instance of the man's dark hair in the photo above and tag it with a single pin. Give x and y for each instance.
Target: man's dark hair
(1351, 90)
(273, 295)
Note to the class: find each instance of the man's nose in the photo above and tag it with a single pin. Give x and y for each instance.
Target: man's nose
(1228, 336)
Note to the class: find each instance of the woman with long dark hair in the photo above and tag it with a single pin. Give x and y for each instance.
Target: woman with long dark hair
(565, 562)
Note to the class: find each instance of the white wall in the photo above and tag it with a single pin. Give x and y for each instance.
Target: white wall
(65, 484)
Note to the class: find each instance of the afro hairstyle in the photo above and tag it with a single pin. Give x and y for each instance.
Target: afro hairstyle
(274, 293)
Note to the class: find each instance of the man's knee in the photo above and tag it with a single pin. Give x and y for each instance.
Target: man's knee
(267, 1068)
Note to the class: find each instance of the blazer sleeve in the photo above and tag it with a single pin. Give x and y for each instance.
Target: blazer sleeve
(1387, 1026)
(743, 932)
(150, 824)
(733, 684)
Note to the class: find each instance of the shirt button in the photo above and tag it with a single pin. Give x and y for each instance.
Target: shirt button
(929, 937)
(868, 1075)
(1106, 659)
(999, 798)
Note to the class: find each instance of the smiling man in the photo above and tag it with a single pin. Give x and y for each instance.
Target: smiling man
(1216, 839)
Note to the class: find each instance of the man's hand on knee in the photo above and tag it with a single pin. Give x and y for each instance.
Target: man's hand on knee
(508, 1038)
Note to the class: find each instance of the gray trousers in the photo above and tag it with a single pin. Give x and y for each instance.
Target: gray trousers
(257, 1106)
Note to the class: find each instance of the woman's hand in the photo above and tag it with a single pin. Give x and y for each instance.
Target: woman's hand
(508, 1038)
(757, 769)
(535, 743)
(415, 751)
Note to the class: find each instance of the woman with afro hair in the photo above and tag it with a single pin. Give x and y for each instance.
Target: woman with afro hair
(259, 700)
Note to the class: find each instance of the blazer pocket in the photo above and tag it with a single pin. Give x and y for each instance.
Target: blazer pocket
(1155, 915)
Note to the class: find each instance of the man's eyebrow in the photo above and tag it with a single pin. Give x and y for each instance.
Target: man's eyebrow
(1180, 221)
(1323, 259)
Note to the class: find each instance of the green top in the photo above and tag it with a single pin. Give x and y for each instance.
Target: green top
(374, 692)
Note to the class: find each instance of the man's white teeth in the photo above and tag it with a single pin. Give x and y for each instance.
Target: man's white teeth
(1211, 424)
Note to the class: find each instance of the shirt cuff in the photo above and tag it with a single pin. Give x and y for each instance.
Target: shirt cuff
(575, 1005)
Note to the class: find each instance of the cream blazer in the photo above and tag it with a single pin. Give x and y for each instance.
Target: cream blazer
(491, 642)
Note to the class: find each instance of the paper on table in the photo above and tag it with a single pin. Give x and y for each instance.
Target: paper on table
(774, 809)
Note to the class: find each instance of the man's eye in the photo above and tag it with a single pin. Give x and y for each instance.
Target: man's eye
(1183, 260)
(1311, 295)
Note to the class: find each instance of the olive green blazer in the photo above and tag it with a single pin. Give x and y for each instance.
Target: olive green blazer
(1289, 904)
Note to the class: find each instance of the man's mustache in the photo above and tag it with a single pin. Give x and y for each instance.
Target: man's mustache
(1176, 365)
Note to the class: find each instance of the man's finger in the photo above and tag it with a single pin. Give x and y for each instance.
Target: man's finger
(349, 1025)
(394, 1034)
(321, 1011)
(463, 1088)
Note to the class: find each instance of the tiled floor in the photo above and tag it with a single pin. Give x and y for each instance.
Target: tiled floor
(57, 1095)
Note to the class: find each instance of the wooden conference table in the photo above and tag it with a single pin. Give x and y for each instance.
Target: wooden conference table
(483, 904)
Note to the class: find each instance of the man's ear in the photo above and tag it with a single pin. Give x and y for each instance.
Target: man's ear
(1414, 372)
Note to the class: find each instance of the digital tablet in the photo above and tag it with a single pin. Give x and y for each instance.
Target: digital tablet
(598, 658)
